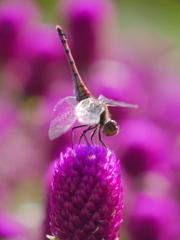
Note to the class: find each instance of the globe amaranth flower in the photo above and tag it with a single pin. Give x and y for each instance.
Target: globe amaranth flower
(153, 217)
(86, 198)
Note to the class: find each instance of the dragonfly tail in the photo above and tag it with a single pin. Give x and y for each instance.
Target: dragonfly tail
(81, 90)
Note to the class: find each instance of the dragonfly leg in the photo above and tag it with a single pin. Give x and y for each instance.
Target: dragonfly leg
(100, 139)
(72, 133)
(92, 135)
(84, 133)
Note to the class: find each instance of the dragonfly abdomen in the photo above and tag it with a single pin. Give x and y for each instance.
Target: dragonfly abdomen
(81, 90)
(81, 93)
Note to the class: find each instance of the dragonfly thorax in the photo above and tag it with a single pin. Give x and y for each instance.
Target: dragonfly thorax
(110, 128)
(89, 111)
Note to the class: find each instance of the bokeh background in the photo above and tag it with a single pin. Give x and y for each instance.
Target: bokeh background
(126, 50)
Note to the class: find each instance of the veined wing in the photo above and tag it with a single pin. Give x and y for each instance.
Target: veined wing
(63, 117)
(112, 103)
(88, 111)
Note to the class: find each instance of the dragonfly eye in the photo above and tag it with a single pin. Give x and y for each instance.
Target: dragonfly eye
(110, 128)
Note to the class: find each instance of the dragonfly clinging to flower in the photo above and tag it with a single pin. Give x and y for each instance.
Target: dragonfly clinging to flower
(83, 107)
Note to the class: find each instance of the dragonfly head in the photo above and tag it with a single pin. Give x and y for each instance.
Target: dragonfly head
(110, 128)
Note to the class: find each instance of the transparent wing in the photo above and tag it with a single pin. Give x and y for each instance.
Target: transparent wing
(88, 111)
(63, 117)
(112, 103)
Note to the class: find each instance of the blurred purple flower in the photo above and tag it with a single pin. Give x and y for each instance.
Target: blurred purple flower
(117, 81)
(10, 228)
(8, 113)
(174, 163)
(165, 101)
(39, 55)
(86, 199)
(29, 158)
(153, 219)
(86, 21)
(144, 146)
(14, 17)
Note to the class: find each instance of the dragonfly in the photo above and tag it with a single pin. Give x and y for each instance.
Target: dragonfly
(91, 112)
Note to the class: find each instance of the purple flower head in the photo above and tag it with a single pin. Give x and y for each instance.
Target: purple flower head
(14, 17)
(86, 199)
